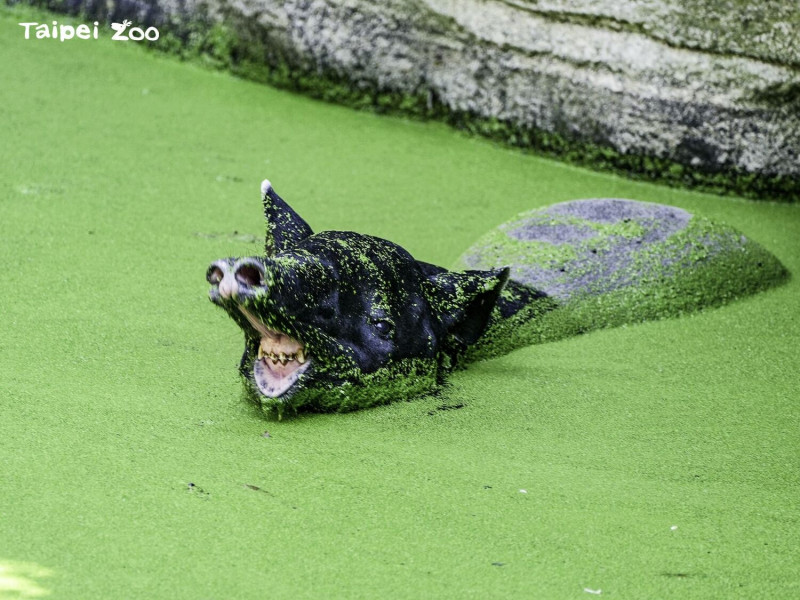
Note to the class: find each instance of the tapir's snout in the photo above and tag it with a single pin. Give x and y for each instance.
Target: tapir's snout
(230, 278)
(249, 273)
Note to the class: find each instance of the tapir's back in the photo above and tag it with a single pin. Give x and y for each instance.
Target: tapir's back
(608, 261)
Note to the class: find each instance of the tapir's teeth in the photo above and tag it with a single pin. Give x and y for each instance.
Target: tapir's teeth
(274, 345)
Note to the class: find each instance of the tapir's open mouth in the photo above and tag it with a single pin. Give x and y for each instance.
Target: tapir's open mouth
(280, 361)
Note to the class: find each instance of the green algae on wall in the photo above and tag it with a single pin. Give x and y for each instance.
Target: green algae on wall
(245, 51)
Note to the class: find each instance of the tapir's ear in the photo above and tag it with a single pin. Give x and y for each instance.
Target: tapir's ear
(464, 301)
(285, 228)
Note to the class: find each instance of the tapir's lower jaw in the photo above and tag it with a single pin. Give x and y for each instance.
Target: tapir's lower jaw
(275, 379)
(279, 363)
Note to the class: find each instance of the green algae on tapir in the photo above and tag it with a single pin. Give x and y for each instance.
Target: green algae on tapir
(337, 321)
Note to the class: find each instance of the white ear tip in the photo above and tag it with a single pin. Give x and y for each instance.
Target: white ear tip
(265, 187)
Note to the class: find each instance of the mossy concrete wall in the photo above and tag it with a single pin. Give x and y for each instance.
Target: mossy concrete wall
(705, 91)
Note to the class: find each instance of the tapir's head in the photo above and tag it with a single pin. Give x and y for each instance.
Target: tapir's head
(339, 320)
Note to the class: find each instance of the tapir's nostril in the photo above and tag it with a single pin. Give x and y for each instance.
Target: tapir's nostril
(249, 274)
(214, 275)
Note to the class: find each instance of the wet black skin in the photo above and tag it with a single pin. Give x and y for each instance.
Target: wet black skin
(361, 305)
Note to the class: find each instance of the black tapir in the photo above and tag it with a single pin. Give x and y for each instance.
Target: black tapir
(338, 320)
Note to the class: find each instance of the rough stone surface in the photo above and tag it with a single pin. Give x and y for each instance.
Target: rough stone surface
(714, 85)
(588, 248)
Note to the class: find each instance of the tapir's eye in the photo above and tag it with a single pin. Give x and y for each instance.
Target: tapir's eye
(383, 326)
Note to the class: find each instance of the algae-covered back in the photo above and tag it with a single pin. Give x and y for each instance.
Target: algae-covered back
(612, 261)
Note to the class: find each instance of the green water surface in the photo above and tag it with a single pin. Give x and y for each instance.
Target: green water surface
(652, 461)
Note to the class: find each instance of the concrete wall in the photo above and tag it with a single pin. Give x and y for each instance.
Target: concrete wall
(711, 84)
